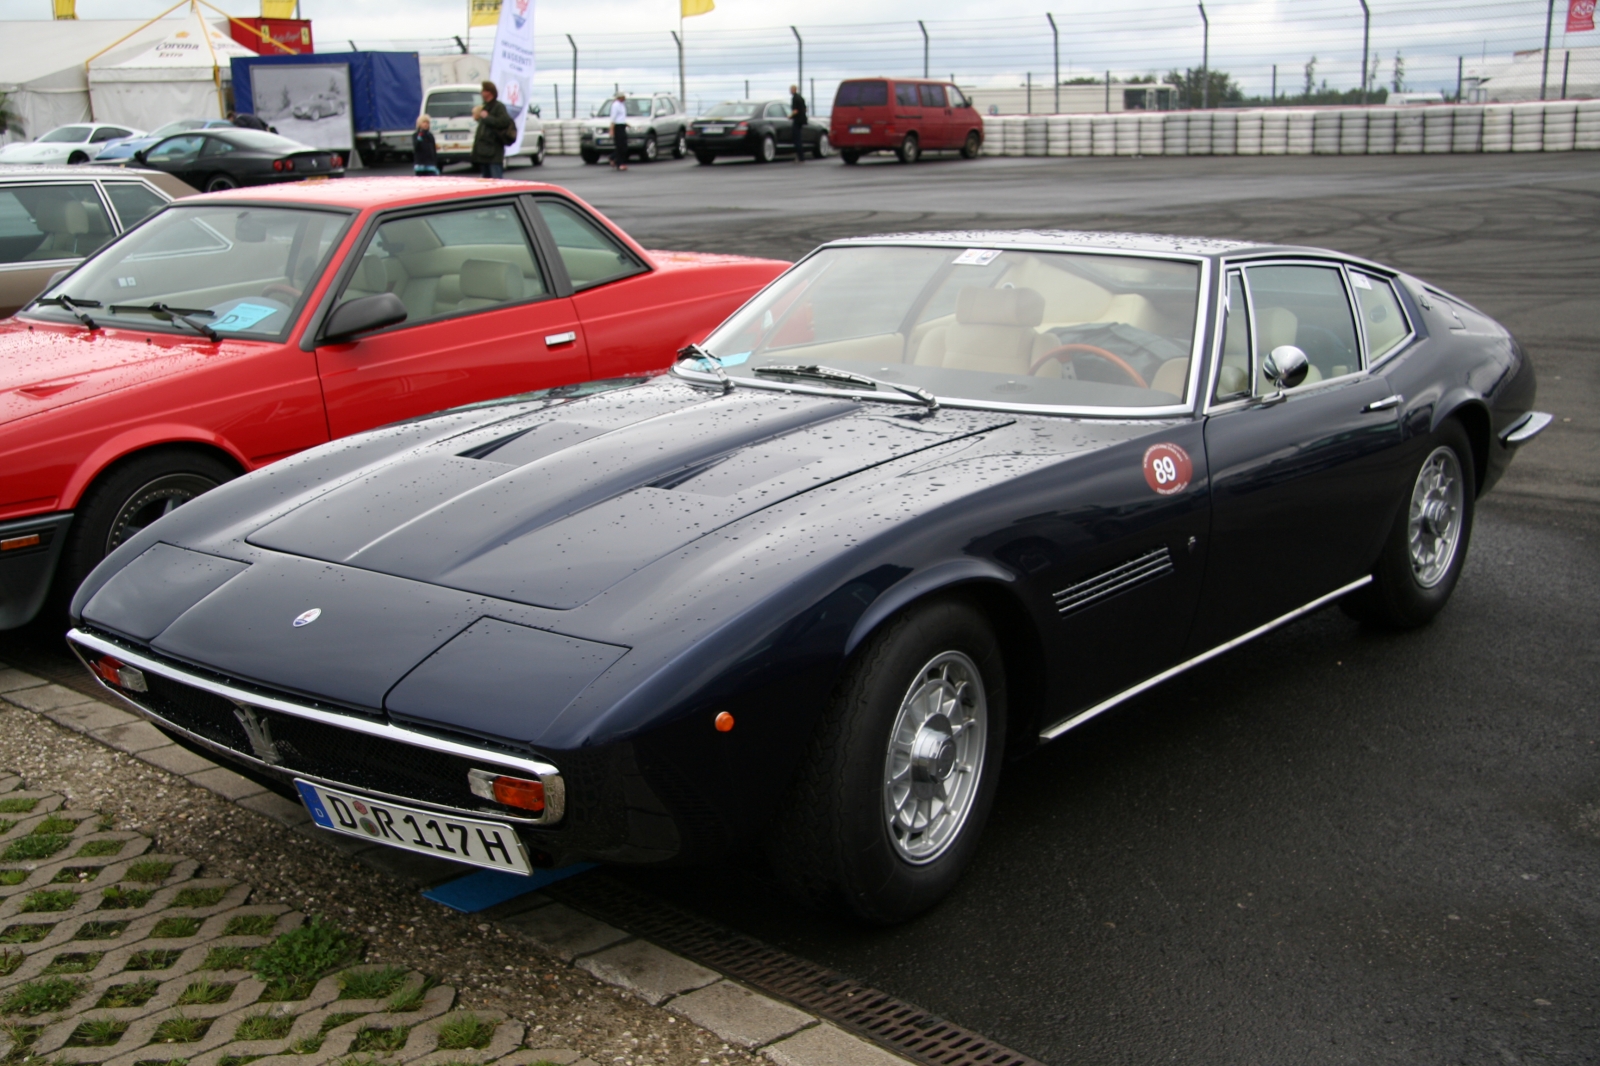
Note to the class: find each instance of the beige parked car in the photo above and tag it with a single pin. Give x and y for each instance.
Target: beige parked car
(52, 217)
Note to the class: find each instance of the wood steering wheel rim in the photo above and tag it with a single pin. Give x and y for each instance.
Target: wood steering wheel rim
(279, 287)
(1111, 357)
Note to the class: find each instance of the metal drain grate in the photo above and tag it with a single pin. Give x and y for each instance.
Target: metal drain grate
(876, 1015)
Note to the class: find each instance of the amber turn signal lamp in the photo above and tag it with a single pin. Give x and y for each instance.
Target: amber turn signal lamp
(118, 674)
(723, 722)
(511, 791)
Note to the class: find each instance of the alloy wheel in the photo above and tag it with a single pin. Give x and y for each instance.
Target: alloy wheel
(1434, 523)
(935, 758)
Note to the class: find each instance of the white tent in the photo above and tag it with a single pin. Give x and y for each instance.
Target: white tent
(1506, 81)
(43, 75)
(179, 76)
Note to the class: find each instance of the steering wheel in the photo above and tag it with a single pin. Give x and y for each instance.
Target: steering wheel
(1089, 349)
(278, 290)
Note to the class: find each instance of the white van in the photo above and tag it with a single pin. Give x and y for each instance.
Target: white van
(450, 108)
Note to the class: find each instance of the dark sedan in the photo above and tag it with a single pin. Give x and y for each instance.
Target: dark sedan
(760, 129)
(220, 159)
(922, 504)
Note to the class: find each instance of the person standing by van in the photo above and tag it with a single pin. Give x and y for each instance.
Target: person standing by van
(619, 132)
(797, 113)
(424, 150)
(489, 142)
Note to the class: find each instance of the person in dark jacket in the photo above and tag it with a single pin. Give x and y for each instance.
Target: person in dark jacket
(797, 113)
(248, 121)
(494, 125)
(424, 149)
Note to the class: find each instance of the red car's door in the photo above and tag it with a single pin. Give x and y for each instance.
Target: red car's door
(936, 117)
(483, 319)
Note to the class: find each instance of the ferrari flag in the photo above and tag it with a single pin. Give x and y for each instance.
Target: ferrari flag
(701, 7)
(483, 12)
(1580, 15)
(511, 66)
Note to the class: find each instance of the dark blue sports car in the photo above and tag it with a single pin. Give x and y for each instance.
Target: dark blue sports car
(923, 503)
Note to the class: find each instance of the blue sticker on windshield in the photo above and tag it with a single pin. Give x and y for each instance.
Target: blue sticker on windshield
(243, 316)
(734, 360)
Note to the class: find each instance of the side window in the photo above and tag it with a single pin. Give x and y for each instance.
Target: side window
(176, 150)
(1381, 314)
(905, 95)
(663, 106)
(777, 110)
(133, 201)
(1305, 306)
(1233, 376)
(590, 254)
(447, 262)
(957, 97)
(44, 222)
(107, 133)
(932, 95)
(215, 147)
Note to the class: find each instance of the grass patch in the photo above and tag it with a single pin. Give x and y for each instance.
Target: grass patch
(100, 930)
(306, 1045)
(382, 1041)
(33, 847)
(40, 996)
(148, 871)
(293, 962)
(74, 875)
(25, 934)
(55, 827)
(264, 1027)
(18, 804)
(408, 999)
(168, 928)
(152, 960)
(10, 960)
(203, 991)
(200, 897)
(229, 958)
(97, 1032)
(99, 849)
(250, 925)
(75, 962)
(238, 1060)
(14, 877)
(462, 1031)
(117, 898)
(181, 1029)
(23, 1037)
(333, 1021)
(136, 994)
(162, 1062)
(48, 899)
(370, 984)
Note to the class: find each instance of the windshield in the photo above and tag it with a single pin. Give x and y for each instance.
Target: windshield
(241, 271)
(66, 135)
(733, 109)
(638, 107)
(979, 324)
(456, 103)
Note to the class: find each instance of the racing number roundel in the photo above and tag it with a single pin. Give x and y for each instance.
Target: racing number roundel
(1167, 468)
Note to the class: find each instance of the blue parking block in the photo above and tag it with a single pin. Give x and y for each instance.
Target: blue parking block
(482, 890)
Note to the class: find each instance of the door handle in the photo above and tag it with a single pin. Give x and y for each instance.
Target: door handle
(551, 340)
(1394, 400)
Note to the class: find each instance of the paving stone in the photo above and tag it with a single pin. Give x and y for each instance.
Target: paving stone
(408, 865)
(564, 932)
(12, 679)
(739, 1016)
(175, 759)
(132, 737)
(90, 716)
(828, 1045)
(652, 973)
(225, 783)
(280, 809)
(48, 697)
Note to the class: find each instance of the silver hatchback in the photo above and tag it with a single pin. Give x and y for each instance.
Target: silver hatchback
(656, 123)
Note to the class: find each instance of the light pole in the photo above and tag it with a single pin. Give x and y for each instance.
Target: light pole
(1549, 20)
(679, 42)
(1366, 52)
(924, 30)
(574, 45)
(1205, 62)
(1055, 37)
(800, 59)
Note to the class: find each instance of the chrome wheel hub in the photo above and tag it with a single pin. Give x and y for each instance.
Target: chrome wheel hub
(1434, 528)
(935, 757)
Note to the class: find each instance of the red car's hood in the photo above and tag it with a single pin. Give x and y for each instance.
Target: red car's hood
(44, 366)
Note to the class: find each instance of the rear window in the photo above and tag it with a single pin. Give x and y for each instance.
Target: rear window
(862, 94)
(451, 104)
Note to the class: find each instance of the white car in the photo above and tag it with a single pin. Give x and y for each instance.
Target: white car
(450, 108)
(77, 143)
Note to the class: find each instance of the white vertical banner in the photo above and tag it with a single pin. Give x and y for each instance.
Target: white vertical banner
(511, 66)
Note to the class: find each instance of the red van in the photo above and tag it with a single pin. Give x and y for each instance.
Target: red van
(906, 116)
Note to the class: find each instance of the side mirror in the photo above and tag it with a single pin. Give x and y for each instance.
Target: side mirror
(138, 157)
(363, 315)
(1286, 367)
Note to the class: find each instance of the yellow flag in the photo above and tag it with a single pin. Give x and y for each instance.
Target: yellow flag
(698, 7)
(277, 9)
(68, 9)
(483, 12)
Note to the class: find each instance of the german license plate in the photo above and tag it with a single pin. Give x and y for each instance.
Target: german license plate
(711, 129)
(860, 129)
(480, 843)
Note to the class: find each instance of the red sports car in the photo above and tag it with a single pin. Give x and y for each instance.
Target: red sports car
(234, 329)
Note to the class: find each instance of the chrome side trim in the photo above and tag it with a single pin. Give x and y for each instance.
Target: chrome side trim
(77, 638)
(1131, 574)
(1105, 705)
(1527, 427)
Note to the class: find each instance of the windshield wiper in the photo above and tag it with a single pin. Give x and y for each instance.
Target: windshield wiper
(72, 307)
(846, 377)
(694, 351)
(174, 314)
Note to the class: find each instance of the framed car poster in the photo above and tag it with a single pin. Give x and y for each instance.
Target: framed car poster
(309, 103)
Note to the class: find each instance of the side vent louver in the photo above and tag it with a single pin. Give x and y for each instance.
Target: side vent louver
(1102, 586)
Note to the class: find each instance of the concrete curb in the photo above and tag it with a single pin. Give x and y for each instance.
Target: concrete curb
(736, 1014)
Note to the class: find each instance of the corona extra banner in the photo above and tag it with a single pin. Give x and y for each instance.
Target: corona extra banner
(511, 67)
(1580, 16)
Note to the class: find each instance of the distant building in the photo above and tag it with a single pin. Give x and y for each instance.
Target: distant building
(1509, 80)
(1075, 99)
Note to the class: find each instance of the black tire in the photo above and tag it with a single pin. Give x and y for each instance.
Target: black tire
(910, 149)
(1405, 594)
(972, 146)
(767, 150)
(590, 156)
(832, 844)
(824, 146)
(680, 144)
(705, 159)
(850, 156)
(75, 158)
(537, 158)
(126, 499)
(220, 183)
(651, 150)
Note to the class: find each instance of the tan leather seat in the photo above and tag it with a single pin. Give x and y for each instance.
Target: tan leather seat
(65, 224)
(487, 282)
(994, 331)
(1171, 377)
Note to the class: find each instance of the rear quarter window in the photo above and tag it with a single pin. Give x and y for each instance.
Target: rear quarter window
(862, 94)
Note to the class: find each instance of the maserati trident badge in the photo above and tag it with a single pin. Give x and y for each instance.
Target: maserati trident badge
(259, 730)
(305, 618)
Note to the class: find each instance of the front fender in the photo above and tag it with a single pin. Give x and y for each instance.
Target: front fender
(916, 586)
(138, 438)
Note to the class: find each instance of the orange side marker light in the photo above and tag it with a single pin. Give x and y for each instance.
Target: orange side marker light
(724, 722)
